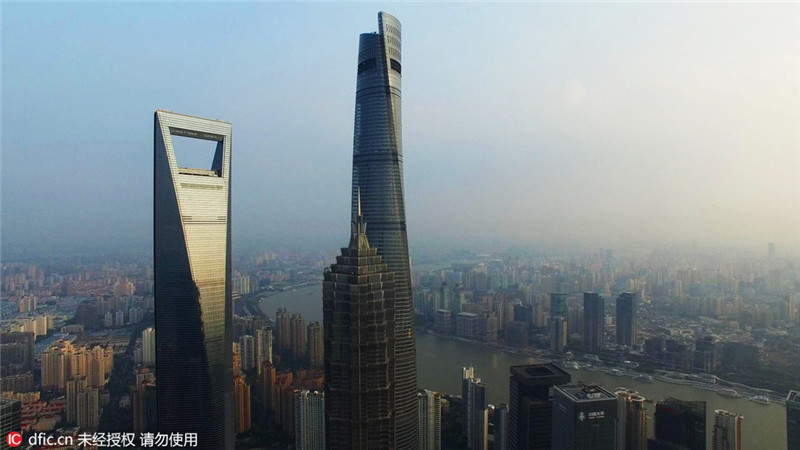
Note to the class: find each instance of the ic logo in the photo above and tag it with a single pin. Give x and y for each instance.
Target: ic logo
(14, 439)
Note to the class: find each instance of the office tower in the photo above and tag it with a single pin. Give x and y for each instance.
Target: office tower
(584, 417)
(558, 304)
(88, 409)
(593, 322)
(193, 306)
(355, 294)
(679, 423)
(149, 347)
(299, 332)
(242, 390)
(283, 329)
(74, 387)
(793, 419)
(558, 334)
(378, 173)
(247, 352)
(442, 321)
(531, 405)
(501, 427)
(429, 404)
(626, 319)
(727, 433)
(10, 419)
(316, 349)
(263, 341)
(631, 421)
(309, 420)
(476, 417)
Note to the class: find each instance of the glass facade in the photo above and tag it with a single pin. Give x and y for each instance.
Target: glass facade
(378, 173)
(192, 272)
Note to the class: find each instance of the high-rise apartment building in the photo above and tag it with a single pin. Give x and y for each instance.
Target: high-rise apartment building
(593, 322)
(309, 420)
(355, 294)
(378, 174)
(149, 347)
(89, 409)
(531, 405)
(283, 329)
(793, 419)
(584, 417)
(263, 340)
(74, 387)
(297, 325)
(631, 421)
(476, 410)
(727, 432)
(247, 352)
(242, 391)
(430, 420)
(626, 319)
(316, 347)
(192, 240)
(679, 423)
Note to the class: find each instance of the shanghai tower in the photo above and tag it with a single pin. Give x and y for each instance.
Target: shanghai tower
(378, 172)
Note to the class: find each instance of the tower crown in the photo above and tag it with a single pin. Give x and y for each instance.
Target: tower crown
(358, 228)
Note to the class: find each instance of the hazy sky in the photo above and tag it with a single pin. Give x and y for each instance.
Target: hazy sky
(589, 123)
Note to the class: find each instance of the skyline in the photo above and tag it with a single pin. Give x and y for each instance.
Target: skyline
(549, 144)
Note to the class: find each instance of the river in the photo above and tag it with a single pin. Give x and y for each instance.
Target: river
(439, 362)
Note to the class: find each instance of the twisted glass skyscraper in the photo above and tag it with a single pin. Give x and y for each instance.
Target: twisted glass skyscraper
(192, 237)
(378, 172)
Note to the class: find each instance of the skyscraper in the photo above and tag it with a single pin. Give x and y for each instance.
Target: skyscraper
(558, 334)
(501, 427)
(430, 420)
(247, 352)
(263, 340)
(593, 321)
(584, 417)
(309, 420)
(149, 347)
(793, 419)
(631, 421)
(355, 294)
(297, 325)
(378, 173)
(242, 390)
(476, 410)
(531, 405)
(679, 423)
(626, 319)
(727, 434)
(193, 306)
(316, 347)
(284, 330)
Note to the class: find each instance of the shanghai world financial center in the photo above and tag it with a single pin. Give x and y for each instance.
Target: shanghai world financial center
(193, 266)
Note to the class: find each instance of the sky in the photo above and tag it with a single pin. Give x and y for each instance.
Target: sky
(606, 124)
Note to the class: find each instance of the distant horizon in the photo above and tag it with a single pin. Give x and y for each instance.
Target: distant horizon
(621, 126)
